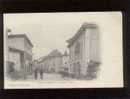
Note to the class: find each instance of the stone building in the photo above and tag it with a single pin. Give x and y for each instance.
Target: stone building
(20, 53)
(84, 51)
(52, 62)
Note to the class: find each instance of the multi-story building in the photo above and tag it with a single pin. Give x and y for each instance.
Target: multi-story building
(52, 62)
(84, 51)
(20, 53)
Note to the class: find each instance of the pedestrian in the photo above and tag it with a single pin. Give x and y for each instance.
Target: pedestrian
(41, 73)
(35, 73)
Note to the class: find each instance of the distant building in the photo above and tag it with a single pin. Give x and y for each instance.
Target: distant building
(84, 50)
(20, 53)
(52, 62)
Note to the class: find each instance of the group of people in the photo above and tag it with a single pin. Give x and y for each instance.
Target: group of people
(37, 72)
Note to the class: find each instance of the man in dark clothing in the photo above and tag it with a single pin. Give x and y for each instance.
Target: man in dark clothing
(36, 73)
(41, 73)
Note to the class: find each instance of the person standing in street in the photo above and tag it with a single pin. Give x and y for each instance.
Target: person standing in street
(36, 73)
(41, 73)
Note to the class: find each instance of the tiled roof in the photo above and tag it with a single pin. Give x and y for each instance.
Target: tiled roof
(54, 53)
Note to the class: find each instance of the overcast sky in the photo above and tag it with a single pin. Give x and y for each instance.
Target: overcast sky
(48, 31)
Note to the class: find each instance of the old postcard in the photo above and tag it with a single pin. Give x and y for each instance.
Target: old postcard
(63, 50)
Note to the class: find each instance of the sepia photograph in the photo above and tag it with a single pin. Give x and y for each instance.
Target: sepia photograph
(63, 50)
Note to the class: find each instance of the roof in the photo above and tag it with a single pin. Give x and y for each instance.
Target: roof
(80, 32)
(55, 53)
(52, 54)
(20, 36)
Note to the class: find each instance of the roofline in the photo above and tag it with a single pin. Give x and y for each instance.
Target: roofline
(79, 32)
(43, 58)
(19, 36)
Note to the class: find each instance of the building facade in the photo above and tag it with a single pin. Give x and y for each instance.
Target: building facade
(52, 62)
(84, 50)
(20, 53)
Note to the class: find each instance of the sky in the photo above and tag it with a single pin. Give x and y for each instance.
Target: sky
(48, 31)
